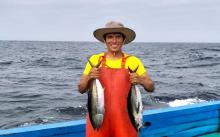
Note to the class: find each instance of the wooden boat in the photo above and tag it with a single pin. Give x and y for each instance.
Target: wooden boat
(186, 121)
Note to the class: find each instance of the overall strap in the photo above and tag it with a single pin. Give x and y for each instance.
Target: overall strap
(123, 61)
(100, 60)
(104, 59)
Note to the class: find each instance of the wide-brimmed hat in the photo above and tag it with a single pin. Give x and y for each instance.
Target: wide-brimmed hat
(114, 27)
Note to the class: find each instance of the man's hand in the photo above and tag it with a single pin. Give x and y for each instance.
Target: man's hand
(143, 80)
(134, 78)
(94, 73)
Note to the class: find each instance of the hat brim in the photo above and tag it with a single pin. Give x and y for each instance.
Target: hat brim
(129, 33)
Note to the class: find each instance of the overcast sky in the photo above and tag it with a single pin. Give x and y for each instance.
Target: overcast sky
(75, 20)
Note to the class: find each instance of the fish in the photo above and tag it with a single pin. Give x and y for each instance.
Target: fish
(96, 102)
(135, 107)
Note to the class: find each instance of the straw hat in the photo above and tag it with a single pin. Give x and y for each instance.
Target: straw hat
(114, 27)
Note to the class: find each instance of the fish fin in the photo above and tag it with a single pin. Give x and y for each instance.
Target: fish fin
(99, 63)
(91, 64)
(95, 66)
(138, 107)
(132, 71)
(136, 68)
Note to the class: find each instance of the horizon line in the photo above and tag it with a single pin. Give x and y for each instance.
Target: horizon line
(100, 42)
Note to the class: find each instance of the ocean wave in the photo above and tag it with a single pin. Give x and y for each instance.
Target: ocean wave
(183, 102)
(166, 98)
(35, 121)
(194, 84)
(52, 62)
(212, 49)
(26, 96)
(21, 101)
(18, 111)
(79, 110)
(44, 62)
(205, 58)
(207, 95)
(198, 65)
(6, 62)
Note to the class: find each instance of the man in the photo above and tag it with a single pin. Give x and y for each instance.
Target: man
(116, 79)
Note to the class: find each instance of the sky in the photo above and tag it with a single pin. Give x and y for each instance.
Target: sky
(75, 20)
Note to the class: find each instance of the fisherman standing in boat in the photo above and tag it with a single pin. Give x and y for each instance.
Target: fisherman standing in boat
(116, 80)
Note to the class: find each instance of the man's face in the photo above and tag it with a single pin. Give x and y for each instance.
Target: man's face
(114, 42)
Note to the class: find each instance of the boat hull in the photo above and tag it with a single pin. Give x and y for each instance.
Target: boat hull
(190, 120)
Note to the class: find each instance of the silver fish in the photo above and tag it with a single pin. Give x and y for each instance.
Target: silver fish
(96, 103)
(135, 107)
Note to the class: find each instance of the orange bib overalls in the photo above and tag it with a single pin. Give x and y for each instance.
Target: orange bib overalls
(116, 86)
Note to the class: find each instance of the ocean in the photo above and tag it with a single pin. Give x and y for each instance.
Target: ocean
(38, 79)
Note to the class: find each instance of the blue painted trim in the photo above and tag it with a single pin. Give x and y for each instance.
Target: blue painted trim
(170, 130)
(178, 120)
(47, 129)
(197, 131)
(198, 118)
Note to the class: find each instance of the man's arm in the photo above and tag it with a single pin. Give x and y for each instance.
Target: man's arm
(144, 80)
(84, 82)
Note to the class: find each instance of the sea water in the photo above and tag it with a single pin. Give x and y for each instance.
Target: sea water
(38, 79)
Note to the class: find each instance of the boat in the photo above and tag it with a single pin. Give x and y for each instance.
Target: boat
(201, 120)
